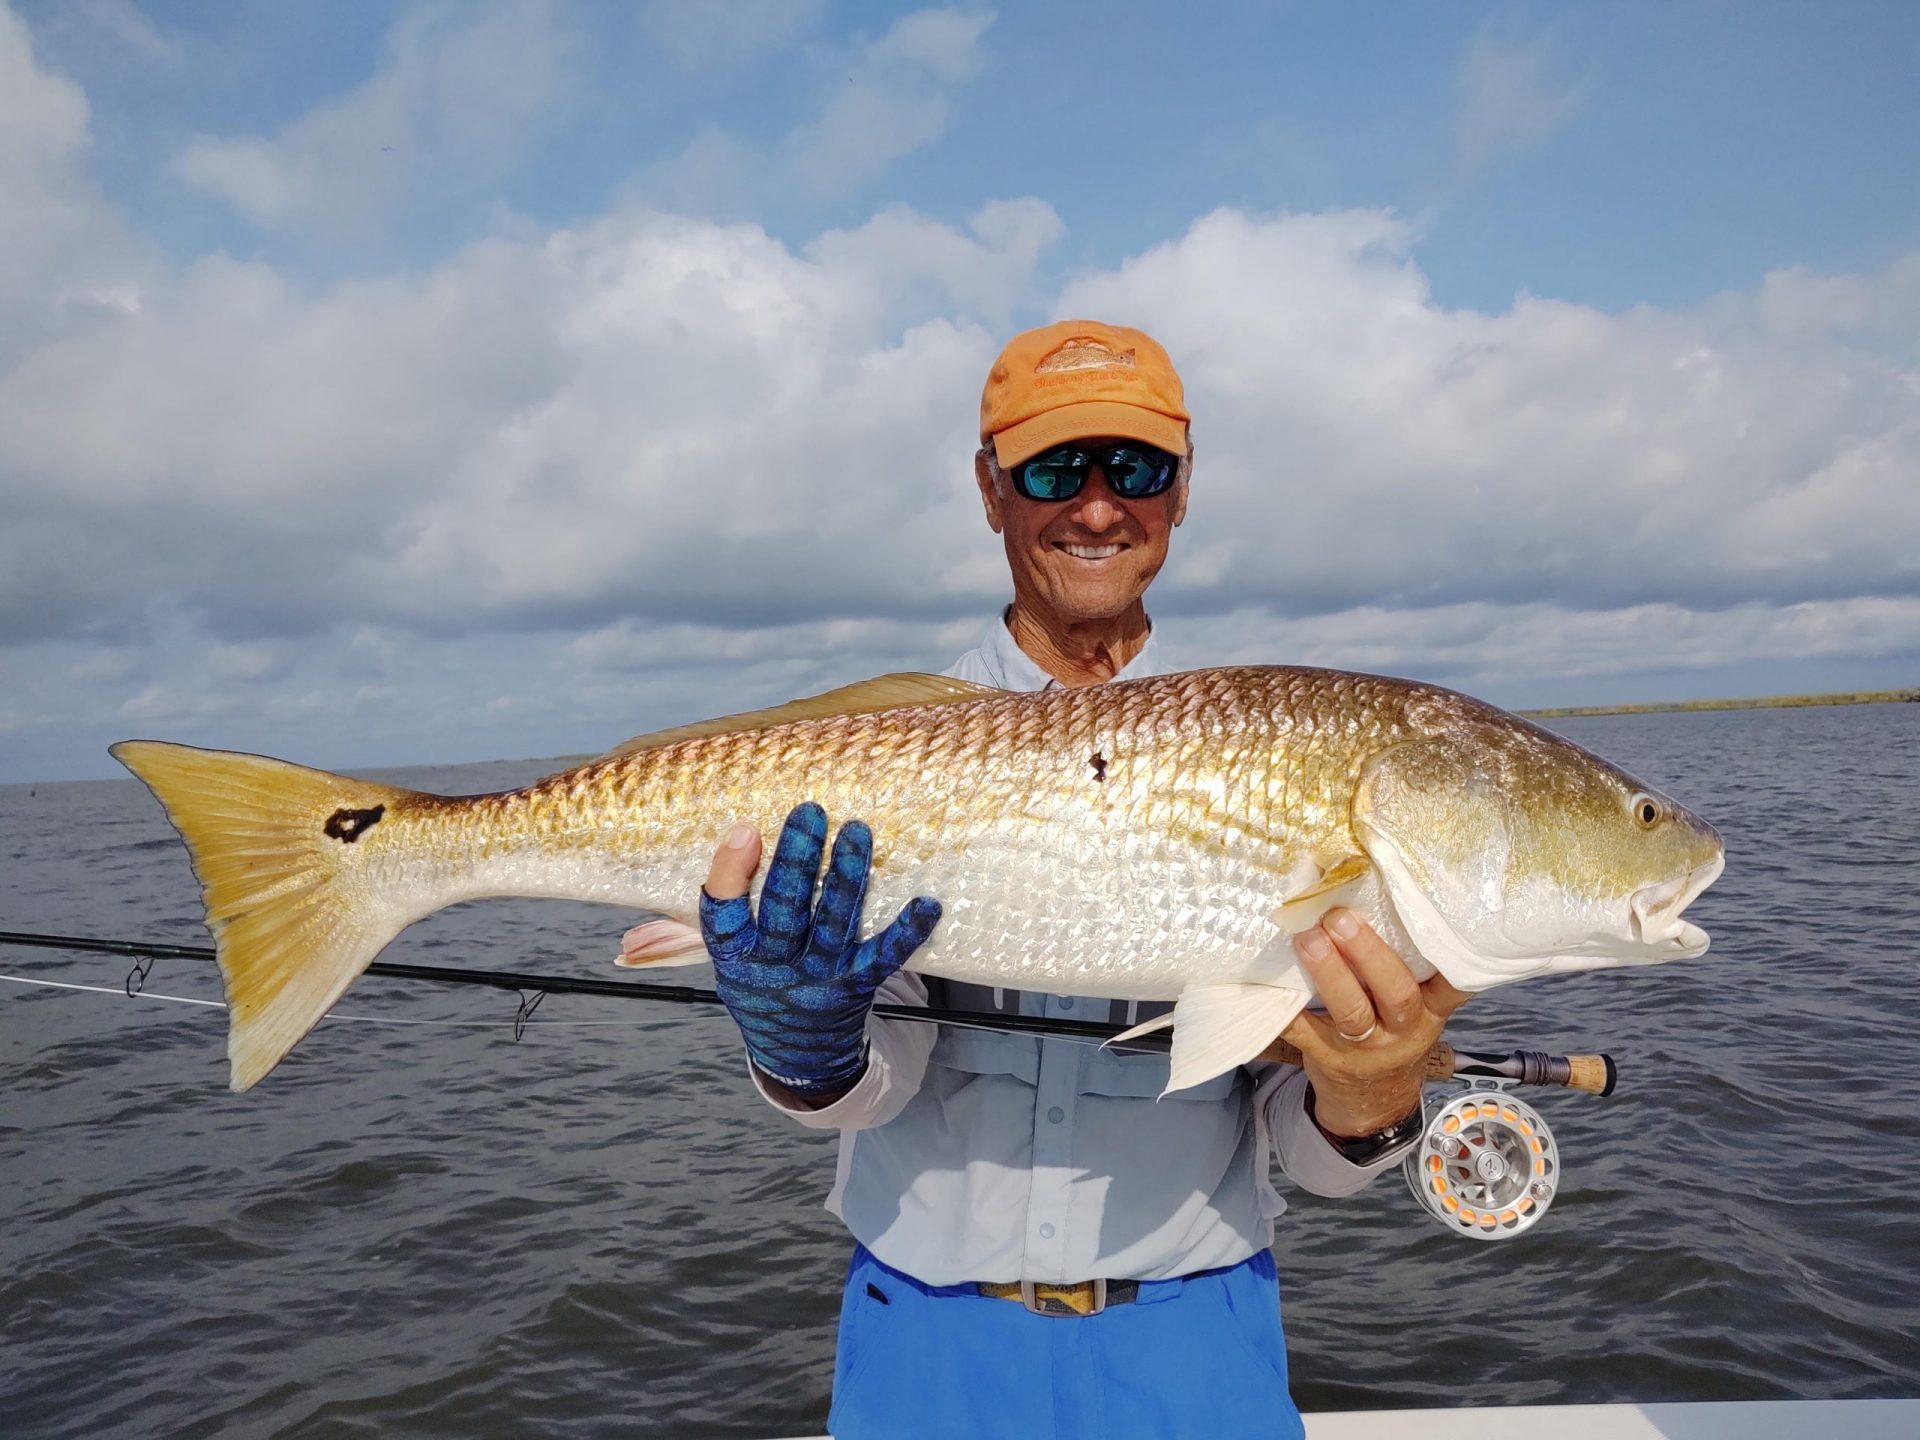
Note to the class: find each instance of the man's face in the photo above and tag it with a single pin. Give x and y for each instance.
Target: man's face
(1088, 558)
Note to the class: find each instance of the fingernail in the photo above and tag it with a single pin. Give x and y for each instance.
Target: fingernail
(1313, 944)
(738, 837)
(1343, 924)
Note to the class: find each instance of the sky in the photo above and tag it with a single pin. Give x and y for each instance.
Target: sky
(432, 382)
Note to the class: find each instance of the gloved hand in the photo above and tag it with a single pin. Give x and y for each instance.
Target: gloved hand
(800, 984)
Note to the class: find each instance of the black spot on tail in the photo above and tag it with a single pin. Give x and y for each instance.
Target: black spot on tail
(1099, 763)
(349, 825)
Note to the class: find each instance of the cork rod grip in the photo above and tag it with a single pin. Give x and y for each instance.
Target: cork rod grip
(1593, 1074)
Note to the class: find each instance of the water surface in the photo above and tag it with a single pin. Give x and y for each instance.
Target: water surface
(428, 1230)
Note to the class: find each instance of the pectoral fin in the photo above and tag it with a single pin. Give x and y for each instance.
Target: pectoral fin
(1216, 1027)
(1303, 908)
(661, 942)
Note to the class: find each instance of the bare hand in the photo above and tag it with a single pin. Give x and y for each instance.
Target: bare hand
(1367, 1056)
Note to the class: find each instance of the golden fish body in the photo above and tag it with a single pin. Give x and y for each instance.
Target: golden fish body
(1149, 839)
(1124, 840)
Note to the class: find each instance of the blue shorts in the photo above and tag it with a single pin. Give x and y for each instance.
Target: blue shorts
(1198, 1356)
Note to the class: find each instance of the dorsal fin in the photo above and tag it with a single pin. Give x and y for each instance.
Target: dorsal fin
(883, 692)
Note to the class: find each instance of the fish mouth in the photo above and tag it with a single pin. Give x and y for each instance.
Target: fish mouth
(1657, 910)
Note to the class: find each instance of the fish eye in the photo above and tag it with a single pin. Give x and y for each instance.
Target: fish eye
(1647, 810)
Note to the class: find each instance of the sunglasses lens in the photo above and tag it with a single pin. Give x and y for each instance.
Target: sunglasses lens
(1137, 472)
(1056, 475)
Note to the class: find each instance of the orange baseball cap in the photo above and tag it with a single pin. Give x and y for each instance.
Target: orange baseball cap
(1080, 378)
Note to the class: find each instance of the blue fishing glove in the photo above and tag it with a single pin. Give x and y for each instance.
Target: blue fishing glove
(799, 983)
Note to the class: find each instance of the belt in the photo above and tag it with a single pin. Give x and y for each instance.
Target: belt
(1086, 1297)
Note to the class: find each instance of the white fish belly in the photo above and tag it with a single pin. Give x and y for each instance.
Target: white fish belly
(1037, 918)
(1142, 922)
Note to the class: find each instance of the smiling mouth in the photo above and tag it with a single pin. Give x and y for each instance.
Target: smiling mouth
(1092, 552)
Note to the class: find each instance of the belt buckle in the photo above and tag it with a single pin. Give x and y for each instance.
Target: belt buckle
(1057, 1309)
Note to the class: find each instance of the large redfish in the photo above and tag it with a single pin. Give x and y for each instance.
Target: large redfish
(1152, 839)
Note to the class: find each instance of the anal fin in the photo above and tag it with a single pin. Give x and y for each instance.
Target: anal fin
(1218, 1027)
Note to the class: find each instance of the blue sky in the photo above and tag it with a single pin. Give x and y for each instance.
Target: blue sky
(1624, 152)
(520, 376)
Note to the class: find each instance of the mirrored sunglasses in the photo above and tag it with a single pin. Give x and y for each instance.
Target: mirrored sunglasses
(1134, 471)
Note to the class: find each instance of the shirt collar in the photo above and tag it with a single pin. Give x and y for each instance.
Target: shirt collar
(1013, 669)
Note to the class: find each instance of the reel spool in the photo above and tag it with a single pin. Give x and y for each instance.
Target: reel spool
(1486, 1166)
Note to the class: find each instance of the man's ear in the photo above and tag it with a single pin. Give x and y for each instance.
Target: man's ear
(989, 493)
(1179, 508)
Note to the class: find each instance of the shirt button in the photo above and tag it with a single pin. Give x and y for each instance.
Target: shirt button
(1056, 1114)
(1046, 1232)
(1067, 1003)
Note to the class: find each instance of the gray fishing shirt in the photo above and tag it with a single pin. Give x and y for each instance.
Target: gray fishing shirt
(979, 1155)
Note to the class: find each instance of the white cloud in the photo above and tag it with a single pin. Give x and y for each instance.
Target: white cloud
(105, 662)
(663, 416)
(531, 431)
(913, 265)
(65, 260)
(1795, 303)
(43, 119)
(897, 98)
(248, 660)
(879, 100)
(1553, 451)
(121, 21)
(716, 174)
(1484, 647)
(1509, 99)
(630, 648)
(452, 101)
(704, 35)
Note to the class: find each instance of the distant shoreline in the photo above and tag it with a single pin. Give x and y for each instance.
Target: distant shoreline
(1764, 702)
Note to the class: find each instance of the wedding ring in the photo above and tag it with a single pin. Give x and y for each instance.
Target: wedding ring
(1356, 1039)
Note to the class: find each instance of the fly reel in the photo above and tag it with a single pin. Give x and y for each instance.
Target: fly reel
(1486, 1166)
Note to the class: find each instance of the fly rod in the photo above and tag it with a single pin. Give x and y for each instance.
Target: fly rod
(1593, 1074)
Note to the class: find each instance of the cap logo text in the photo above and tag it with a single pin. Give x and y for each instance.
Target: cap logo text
(1084, 353)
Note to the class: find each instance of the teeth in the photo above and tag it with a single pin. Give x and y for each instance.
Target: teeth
(1092, 552)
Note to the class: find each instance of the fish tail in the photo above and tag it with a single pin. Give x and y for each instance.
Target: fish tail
(272, 844)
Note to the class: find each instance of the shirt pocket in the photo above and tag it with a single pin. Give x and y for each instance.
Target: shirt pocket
(1144, 1076)
(988, 1052)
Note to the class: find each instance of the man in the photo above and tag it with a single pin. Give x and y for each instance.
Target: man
(1044, 1247)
